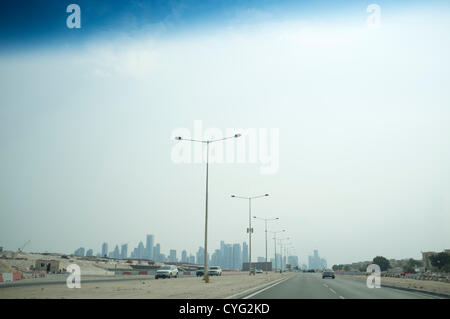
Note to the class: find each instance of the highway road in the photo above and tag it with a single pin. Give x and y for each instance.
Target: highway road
(312, 286)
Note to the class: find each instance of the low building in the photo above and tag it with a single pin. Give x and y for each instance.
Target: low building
(47, 265)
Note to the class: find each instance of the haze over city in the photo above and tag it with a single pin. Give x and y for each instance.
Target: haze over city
(362, 116)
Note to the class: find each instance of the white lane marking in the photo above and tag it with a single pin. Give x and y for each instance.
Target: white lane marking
(332, 291)
(264, 289)
(341, 297)
(251, 289)
(325, 285)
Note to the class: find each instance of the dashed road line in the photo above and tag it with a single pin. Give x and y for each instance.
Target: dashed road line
(332, 291)
(341, 297)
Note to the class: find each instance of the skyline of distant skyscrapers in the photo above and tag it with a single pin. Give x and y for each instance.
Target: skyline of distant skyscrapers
(228, 256)
(315, 262)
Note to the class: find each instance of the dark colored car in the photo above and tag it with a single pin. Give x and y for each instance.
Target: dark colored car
(328, 273)
(200, 272)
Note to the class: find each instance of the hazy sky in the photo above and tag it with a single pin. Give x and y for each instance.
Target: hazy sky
(87, 118)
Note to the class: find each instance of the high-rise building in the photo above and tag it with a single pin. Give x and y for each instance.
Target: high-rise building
(90, 253)
(244, 252)
(149, 247)
(140, 250)
(323, 263)
(315, 262)
(157, 252)
(79, 252)
(293, 261)
(215, 258)
(116, 253)
(200, 256)
(184, 258)
(191, 259)
(237, 256)
(278, 261)
(124, 251)
(173, 256)
(104, 250)
(261, 259)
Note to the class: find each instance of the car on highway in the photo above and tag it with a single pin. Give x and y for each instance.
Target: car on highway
(328, 273)
(215, 271)
(259, 271)
(200, 271)
(167, 271)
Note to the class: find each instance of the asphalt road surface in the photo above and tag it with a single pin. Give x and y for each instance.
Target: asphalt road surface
(312, 286)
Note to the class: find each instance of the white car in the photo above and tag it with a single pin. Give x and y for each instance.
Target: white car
(215, 271)
(167, 271)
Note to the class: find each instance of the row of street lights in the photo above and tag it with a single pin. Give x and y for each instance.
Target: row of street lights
(250, 229)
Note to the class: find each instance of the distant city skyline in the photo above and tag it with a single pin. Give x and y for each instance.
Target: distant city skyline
(227, 256)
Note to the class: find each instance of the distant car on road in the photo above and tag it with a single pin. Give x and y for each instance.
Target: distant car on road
(259, 271)
(328, 273)
(200, 272)
(215, 271)
(168, 271)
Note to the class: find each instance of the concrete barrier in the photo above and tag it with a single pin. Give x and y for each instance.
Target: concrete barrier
(17, 275)
(7, 276)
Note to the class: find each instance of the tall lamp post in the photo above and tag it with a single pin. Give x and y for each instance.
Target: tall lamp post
(265, 221)
(207, 142)
(275, 241)
(281, 251)
(250, 229)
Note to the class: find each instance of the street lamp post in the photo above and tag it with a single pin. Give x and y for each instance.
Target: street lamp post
(265, 221)
(250, 230)
(281, 251)
(275, 241)
(207, 142)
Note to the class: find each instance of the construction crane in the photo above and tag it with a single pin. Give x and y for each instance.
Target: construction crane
(14, 254)
(23, 246)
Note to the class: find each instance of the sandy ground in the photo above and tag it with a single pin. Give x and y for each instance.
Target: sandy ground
(183, 288)
(87, 267)
(425, 285)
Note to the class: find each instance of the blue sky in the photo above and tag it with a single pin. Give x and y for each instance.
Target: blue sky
(87, 117)
(38, 23)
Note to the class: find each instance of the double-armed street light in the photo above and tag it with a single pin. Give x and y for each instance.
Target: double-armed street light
(265, 221)
(250, 229)
(207, 142)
